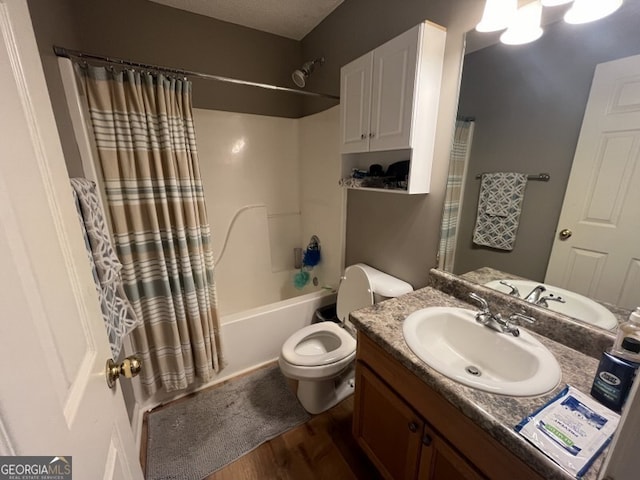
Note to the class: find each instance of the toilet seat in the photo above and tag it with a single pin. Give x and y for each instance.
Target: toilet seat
(318, 344)
(355, 292)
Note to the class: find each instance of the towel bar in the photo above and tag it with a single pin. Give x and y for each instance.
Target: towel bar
(544, 177)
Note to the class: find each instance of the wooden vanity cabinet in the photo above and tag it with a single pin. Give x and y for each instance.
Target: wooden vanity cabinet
(409, 431)
(397, 439)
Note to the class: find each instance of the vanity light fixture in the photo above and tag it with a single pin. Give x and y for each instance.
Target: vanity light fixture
(583, 11)
(497, 15)
(525, 26)
(554, 3)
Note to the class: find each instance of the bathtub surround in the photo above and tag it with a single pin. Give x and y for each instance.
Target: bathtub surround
(286, 170)
(145, 140)
(202, 434)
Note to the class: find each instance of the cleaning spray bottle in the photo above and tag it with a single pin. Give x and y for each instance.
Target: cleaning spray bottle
(618, 366)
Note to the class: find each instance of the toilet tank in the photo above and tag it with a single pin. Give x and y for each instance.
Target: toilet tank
(362, 286)
(383, 285)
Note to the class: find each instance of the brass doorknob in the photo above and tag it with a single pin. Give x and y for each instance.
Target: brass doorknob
(130, 367)
(565, 233)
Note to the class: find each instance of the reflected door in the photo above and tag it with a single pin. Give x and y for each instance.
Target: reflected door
(54, 399)
(596, 251)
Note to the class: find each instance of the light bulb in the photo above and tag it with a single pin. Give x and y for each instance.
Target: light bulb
(583, 11)
(554, 3)
(525, 26)
(497, 15)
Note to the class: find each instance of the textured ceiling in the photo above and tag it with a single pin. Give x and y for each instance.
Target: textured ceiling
(288, 18)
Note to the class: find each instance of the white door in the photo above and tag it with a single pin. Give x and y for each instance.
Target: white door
(394, 78)
(601, 209)
(54, 399)
(355, 104)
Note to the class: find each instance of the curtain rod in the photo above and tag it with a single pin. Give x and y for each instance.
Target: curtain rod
(67, 53)
(544, 177)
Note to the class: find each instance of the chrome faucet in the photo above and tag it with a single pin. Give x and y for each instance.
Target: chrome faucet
(514, 290)
(521, 316)
(537, 298)
(492, 320)
(550, 298)
(534, 295)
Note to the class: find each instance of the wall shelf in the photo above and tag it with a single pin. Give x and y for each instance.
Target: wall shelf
(389, 104)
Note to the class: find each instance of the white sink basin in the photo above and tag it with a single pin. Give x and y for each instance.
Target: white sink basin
(453, 343)
(577, 306)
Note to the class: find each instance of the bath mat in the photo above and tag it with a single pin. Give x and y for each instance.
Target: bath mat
(195, 437)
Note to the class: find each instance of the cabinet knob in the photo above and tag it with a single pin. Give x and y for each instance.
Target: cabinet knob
(363, 136)
(413, 427)
(426, 440)
(371, 135)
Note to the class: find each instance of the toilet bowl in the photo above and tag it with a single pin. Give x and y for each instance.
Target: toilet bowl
(321, 356)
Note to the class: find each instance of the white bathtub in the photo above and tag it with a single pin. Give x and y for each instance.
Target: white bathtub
(254, 337)
(249, 339)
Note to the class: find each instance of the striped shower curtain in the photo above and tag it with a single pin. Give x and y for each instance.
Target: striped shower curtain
(460, 151)
(145, 137)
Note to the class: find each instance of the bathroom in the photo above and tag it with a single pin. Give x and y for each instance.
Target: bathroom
(373, 232)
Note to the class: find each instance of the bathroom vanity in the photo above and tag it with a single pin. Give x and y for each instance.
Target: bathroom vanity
(413, 422)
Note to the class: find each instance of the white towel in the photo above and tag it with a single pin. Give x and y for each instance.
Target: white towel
(118, 315)
(499, 208)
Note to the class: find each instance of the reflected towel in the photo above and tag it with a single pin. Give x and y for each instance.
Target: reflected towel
(118, 315)
(499, 208)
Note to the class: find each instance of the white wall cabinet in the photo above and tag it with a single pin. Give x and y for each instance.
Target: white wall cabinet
(389, 101)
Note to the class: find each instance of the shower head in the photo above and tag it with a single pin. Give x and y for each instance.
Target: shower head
(300, 75)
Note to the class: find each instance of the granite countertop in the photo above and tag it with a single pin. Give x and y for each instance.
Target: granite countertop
(496, 414)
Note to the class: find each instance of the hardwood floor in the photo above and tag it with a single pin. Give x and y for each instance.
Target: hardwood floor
(321, 449)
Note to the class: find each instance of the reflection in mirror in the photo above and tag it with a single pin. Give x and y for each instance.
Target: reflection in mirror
(521, 110)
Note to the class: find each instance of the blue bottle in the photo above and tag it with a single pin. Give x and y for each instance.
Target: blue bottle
(613, 381)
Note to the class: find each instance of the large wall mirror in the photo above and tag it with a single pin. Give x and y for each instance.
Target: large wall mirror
(521, 109)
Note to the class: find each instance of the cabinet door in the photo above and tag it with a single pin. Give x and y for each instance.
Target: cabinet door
(439, 461)
(394, 78)
(355, 104)
(388, 430)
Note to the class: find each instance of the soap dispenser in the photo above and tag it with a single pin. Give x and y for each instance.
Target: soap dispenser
(627, 344)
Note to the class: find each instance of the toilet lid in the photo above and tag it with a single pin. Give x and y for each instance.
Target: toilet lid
(318, 344)
(354, 292)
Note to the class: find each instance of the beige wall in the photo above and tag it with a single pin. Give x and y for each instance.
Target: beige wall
(397, 234)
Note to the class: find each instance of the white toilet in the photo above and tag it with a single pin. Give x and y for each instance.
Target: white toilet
(320, 356)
